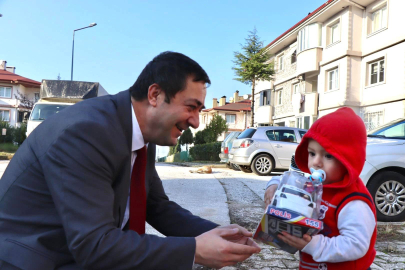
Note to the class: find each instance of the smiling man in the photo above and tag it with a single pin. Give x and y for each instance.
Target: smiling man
(78, 191)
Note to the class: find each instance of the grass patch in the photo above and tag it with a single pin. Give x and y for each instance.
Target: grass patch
(7, 148)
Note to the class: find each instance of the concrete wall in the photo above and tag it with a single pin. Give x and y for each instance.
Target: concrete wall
(393, 88)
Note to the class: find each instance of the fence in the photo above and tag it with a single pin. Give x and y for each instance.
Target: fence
(178, 157)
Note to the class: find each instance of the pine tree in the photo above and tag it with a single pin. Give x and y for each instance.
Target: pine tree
(186, 138)
(215, 128)
(252, 64)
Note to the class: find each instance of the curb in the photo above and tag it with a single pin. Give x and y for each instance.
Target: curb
(380, 223)
(189, 164)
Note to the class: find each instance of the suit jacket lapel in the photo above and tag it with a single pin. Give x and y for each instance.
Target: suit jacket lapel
(122, 101)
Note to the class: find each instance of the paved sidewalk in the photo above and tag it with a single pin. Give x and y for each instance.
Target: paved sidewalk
(3, 166)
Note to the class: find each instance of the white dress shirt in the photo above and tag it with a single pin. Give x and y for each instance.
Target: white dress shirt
(137, 143)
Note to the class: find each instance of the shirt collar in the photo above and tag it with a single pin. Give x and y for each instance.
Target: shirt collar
(137, 138)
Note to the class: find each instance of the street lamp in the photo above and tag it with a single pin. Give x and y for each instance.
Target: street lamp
(73, 46)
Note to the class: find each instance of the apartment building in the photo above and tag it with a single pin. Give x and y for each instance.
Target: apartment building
(11, 84)
(236, 112)
(345, 53)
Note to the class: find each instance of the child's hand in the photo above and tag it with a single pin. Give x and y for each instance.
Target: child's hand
(294, 241)
(269, 194)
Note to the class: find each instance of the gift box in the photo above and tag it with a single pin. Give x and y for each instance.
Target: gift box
(293, 209)
(277, 220)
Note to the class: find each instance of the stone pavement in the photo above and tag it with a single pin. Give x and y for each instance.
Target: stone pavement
(390, 255)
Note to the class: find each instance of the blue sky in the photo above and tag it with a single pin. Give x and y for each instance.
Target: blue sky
(36, 36)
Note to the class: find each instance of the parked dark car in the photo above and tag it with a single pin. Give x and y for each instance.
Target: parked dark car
(226, 146)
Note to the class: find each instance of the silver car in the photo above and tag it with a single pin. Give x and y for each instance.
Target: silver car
(263, 149)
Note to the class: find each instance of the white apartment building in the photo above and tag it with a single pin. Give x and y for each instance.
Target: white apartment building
(236, 112)
(10, 85)
(345, 53)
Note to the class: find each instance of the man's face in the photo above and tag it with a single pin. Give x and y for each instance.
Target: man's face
(318, 158)
(171, 119)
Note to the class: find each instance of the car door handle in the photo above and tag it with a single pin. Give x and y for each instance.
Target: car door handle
(278, 146)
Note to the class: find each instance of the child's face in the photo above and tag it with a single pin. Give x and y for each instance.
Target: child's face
(318, 158)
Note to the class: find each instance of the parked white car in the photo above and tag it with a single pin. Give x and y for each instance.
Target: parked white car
(384, 170)
(294, 199)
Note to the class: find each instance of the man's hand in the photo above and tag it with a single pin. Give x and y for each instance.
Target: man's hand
(224, 246)
(294, 241)
(269, 194)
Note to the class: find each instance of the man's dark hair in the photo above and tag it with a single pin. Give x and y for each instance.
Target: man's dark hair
(170, 71)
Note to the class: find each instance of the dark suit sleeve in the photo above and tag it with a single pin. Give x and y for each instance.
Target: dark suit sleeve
(167, 216)
(79, 171)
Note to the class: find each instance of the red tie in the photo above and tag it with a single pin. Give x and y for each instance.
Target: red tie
(137, 203)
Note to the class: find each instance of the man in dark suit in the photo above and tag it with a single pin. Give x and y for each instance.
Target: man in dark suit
(64, 198)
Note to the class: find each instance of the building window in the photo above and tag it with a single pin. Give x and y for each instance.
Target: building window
(296, 88)
(373, 120)
(279, 97)
(280, 62)
(334, 33)
(36, 97)
(377, 71)
(230, 118)
(303, 122)
(5, 92)
(379, 19)
(5, 115)
(294, 57)
(309, 37)
(265, 98)
(333, 79)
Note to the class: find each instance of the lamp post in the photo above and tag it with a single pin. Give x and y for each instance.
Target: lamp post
(73, 46)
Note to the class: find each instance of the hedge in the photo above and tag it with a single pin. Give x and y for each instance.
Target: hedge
(208, 151)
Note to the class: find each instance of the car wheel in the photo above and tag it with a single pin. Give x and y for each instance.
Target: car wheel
(235, 167)
(245, 169)
(262, 165)
(388, 191)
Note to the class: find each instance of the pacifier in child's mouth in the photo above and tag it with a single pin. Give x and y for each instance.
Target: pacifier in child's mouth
(319, 175)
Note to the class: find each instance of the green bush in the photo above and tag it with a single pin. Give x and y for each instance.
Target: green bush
(19, 134)
(199, 137)
(9, 134)
(208, 151)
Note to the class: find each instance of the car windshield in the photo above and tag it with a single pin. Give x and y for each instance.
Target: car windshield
(247, 134)
(295, 192)
(393, 130)
(228, 136)
(43, 111)
(302, 133)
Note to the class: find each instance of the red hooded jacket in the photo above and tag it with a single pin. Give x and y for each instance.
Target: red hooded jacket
(343, 135)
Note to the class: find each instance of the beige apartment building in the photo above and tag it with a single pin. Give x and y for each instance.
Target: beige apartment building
(345, 53)
(236, 112)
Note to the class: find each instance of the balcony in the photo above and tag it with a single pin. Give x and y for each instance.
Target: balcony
(264, 115)
(308, 60)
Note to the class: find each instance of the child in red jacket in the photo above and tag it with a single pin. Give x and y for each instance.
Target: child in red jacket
(336, 143)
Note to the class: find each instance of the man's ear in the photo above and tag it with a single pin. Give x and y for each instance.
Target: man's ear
(154, 94)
